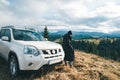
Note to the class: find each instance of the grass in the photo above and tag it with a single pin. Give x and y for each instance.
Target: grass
(86, 67)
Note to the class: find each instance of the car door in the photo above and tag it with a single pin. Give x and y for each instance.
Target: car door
(1, 42)
(5, 45)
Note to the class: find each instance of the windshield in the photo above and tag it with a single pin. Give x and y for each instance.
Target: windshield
(27, 35)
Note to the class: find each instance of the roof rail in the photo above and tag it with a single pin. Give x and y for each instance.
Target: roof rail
(8, 27)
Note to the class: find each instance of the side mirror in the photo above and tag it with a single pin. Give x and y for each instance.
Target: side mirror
(5, 38)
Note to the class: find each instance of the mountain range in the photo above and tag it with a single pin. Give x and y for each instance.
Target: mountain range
(86, 35)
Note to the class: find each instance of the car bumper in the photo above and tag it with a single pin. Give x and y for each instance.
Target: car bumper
(36, 62)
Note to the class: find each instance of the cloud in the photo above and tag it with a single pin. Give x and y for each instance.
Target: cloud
(75, 9)
(4, 3)
(78, 14)
(110, 10)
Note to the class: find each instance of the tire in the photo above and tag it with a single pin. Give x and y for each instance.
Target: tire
(13, 66)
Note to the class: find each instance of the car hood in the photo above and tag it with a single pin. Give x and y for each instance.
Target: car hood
(42, 44)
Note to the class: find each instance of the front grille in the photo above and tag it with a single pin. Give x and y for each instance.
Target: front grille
(52, 56)
(45, 52)
(53, 51)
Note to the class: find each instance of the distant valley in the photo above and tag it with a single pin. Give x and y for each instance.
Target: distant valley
(85, 35)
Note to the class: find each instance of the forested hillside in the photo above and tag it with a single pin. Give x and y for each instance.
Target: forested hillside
(107, 48)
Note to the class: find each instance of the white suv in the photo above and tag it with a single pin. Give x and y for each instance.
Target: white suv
(27, 50)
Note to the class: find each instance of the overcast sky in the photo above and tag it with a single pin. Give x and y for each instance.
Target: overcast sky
(77, 15)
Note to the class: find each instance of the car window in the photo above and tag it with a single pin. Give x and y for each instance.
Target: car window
(2, 33)
(27, 35)
(7, 33)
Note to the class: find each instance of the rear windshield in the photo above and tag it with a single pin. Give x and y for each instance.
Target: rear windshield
(26, 35)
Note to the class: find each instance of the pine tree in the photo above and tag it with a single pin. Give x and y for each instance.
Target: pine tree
(46, 33)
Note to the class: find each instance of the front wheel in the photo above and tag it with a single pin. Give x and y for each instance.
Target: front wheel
(13, 66)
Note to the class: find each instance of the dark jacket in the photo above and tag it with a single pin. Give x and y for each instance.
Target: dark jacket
(67, 47)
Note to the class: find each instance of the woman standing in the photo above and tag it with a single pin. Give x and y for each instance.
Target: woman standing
(69, 51)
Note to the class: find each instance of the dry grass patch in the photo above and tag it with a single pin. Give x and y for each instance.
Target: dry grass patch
(86, 67)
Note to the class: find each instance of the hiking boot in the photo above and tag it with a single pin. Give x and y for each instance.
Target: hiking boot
(65, 62)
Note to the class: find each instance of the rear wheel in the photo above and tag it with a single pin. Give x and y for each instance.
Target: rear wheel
(13, 66)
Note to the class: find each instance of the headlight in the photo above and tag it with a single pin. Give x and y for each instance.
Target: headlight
(31, 50)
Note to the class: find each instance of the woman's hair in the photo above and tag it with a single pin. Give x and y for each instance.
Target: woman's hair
(70, 32)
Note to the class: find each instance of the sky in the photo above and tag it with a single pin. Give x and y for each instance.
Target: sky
(75, 15)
